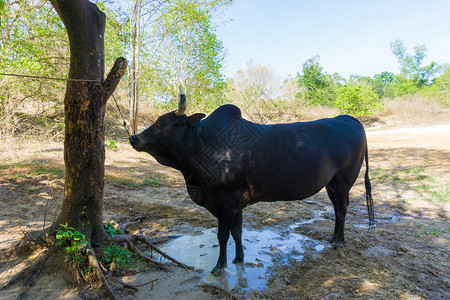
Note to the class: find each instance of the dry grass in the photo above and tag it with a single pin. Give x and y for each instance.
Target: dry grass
(287, 112)
(413, 109)
(396, 111)
(31, 121)
(265, 112)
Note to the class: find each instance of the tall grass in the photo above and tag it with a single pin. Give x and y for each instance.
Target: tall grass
(413, 108)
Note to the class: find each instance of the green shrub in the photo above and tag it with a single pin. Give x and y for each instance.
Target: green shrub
(357, 99)
(73, 242)
(439, 90)
(111, 145)
(119, 258)
(401, 87)
(111, 230)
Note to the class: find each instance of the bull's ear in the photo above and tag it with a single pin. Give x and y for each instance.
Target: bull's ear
(195, 118)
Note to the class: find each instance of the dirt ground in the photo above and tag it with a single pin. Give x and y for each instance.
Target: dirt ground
(406, 256)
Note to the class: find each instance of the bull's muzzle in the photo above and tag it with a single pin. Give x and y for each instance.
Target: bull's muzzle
(133, 139)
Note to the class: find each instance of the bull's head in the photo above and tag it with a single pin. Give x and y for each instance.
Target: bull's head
(162, 138)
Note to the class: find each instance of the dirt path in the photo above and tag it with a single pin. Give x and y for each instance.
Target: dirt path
(405, 257)
(436, 137)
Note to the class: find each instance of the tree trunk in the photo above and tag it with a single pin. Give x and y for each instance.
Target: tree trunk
(135, 64)
(84, 104)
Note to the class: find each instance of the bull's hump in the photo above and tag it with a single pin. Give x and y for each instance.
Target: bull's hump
(221, 117)
(348, 117)
(228, 110)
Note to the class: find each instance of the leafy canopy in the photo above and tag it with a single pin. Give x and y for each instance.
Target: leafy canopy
(190, 52)
(320, 87)
(357, 98)
(412, 64)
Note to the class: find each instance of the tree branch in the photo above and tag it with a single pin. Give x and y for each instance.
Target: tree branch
(114, 76)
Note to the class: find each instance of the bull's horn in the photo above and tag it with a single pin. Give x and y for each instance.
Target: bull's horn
(182, 104)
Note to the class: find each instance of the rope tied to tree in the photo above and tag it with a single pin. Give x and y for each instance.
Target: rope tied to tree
(125, 124)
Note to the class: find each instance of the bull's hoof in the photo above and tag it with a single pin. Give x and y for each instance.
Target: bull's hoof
(238, 260)
(338, 245)
(217, 271)
(337, 242)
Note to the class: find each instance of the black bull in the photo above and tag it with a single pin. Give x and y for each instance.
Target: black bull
(229, 163)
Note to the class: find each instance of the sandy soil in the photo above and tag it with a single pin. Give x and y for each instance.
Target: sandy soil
(405, 257)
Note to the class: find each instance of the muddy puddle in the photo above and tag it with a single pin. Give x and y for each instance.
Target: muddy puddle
(265, 251)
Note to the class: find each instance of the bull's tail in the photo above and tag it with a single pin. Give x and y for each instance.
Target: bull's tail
(369, 200)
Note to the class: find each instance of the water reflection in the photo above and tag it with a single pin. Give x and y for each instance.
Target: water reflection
(265, 251)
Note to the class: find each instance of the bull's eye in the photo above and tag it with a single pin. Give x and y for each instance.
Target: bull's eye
(161, 124)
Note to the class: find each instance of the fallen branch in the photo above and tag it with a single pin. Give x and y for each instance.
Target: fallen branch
(130, 245)
(144, 284)
(123, 227)
(146, 241)
(215, 287)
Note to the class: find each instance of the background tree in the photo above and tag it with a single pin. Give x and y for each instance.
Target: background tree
(253, 88)
(134, 76)
(189, 53)
(411, 64)
(173, 42)
(381, 81)
(32, 42)
(320, 87)
(440, 89)
(357, 99)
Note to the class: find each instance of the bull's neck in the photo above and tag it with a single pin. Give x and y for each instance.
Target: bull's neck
(189, 149)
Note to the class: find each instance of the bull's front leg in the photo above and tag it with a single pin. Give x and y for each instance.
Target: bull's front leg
(236, 232)
(225, 220)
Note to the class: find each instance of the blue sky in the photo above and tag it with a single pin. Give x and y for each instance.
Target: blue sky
(350, 36)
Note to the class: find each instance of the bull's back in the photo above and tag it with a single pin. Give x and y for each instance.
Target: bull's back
(294, 161)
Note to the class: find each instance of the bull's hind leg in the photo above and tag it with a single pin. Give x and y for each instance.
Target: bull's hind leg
(330, 192)
(225, 220)
(236, 232)
(338, 193)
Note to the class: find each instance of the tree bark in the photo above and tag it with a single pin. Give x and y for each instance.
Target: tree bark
(84, 104)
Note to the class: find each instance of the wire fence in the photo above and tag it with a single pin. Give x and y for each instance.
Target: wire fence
(48, 78)
(125, 124)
